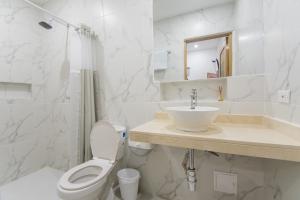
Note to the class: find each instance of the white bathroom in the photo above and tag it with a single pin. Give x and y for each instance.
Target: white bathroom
(149, 100)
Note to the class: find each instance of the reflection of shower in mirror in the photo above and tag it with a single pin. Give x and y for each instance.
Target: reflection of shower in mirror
(217, 64)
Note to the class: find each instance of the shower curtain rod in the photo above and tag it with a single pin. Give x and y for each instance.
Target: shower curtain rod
(56, 18)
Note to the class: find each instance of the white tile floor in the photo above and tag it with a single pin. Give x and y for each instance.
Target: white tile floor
(40, 185)
(117, 196)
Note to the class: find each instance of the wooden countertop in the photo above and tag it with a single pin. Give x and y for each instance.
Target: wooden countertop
(255, 136)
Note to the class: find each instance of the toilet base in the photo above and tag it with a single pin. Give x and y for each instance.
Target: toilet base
(95, 195)
(91, 198)
(87, 198)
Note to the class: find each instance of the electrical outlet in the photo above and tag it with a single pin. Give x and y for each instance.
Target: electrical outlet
(225, 182)
(284, 96)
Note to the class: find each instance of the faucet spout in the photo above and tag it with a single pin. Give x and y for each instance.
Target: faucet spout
(194, 97)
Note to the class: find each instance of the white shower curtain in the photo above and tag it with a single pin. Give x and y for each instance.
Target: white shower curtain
(88, 98)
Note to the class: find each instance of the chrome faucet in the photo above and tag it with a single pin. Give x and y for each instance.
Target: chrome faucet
(194, 99)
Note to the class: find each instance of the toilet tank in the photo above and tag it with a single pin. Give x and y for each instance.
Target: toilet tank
(122, 132)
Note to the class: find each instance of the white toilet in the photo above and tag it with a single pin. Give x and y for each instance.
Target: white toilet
(86, 181)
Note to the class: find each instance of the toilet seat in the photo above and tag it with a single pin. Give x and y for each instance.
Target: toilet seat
(87, 180)
(85, 175)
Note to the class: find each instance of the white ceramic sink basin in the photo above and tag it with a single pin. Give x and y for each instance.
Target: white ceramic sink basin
(192, 120)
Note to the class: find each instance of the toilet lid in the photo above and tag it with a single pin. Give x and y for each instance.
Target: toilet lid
(104, 141)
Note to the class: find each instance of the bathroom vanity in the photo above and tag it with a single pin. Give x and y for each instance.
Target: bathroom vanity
(255, 136)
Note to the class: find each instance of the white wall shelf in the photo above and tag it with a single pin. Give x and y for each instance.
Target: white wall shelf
(11, 90)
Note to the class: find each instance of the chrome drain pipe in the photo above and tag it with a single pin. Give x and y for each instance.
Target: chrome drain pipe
(191, 171)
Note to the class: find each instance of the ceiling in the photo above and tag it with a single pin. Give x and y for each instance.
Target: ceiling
(169, 8)
(204, 45)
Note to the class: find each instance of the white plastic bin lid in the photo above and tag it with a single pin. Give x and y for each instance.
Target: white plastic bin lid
(128, 175)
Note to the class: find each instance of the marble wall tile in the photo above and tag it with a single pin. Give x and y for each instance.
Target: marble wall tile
(169, 182)
(20, 159)
(243, 94)
(244, 17)
(126, 99)
(125, 73)
(246, 88)
(281, 180)
(40, 130)
(281, 56)
(38, 138)
(249, 37)
(16, 53)
(16, 122)
(247, 108)
(129, 97)
(281, 62)
(207, 90)
(170, 33)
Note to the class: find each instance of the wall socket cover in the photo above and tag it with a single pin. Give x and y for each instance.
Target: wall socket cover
(225, 182)
(284, 96)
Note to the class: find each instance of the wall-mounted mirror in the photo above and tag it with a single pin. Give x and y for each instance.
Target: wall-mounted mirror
(208, 56)
(203, 39)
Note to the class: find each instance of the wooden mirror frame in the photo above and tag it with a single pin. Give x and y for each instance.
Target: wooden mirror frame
(228, 36)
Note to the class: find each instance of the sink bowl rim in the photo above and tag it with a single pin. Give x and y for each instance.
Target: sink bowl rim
(188, 109)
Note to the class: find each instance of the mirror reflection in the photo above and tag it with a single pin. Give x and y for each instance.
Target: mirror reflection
(208, 57)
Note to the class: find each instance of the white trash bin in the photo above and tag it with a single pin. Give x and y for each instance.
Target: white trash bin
(129, 183)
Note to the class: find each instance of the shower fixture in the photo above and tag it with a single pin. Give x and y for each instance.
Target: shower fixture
(216, 61)
(47, 25)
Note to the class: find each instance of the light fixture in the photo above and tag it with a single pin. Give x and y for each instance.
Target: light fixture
(196, 46)
(245, 37)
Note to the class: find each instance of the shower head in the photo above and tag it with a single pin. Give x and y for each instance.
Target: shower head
(45, 25)
(216, 61)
